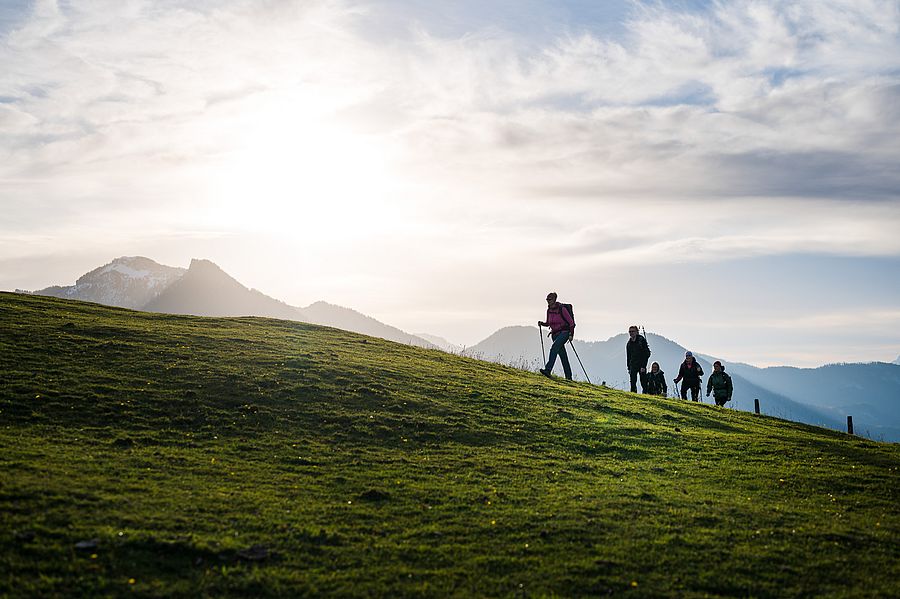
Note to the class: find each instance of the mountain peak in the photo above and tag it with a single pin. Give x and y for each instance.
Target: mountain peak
(126, 281)
(127, 267)
(207, 290)
(201, 264)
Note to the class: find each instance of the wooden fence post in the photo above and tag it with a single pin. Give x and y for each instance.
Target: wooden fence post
(756, 405)
(849, 425)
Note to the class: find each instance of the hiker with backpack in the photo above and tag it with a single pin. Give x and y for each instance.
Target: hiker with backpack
(562, 328)
(656, 381)
(690, 372)
(720, 384)
(637, 353)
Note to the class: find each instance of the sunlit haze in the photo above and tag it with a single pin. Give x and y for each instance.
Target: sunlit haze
(724, 174)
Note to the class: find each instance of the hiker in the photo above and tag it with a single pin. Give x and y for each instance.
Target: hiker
(690, 372)
(637, 352)
(562, 328)
(720, 384)
(656, 381)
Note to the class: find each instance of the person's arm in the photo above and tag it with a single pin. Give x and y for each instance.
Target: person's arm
(662, 378)
(545, 323)
(730, 385)
(699, 368)
(680, 374)
(708, 386)
(568, 318)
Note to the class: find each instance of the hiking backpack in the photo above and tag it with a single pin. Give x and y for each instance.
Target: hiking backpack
(571, 312)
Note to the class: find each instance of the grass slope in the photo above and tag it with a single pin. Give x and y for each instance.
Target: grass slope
(365, 467)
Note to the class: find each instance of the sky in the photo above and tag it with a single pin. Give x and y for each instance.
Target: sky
(722, 173)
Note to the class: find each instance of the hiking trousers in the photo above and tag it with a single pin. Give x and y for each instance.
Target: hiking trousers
(635, 374)
(559, 348)
(694, 387)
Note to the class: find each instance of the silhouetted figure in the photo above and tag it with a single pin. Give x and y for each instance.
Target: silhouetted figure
(656, 381)
(562, 328)
(690, 372)
(637, 352)
(720, 384)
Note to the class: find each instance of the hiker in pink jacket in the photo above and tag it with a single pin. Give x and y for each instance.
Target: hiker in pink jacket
(562, 328)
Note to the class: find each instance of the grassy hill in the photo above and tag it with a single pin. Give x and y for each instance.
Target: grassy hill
(155, 455)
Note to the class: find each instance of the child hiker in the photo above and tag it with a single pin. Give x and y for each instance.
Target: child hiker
(656, 381)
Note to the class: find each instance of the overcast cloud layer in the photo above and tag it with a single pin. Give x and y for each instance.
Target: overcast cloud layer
(716, 171)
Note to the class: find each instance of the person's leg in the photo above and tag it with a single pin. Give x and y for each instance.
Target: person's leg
(558, 344)
(695, 392)
(632, 374)
(643, 376)
(684, 390)
(564, 358)
(551, 357)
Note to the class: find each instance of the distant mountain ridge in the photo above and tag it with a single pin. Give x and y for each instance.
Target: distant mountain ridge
(868, 392)
(204, 289)
(346, 318)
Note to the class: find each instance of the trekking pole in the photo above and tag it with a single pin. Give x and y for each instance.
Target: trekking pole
(541, 334)
(580, 362)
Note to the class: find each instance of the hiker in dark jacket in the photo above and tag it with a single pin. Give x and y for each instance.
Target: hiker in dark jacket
(637, 352)
(656, 381)
(562, 328)
(720, 384)
(690, 372)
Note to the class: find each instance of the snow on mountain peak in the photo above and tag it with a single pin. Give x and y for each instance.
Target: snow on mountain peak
(128, 282)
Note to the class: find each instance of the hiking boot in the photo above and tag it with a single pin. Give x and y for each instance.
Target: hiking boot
(545, 372)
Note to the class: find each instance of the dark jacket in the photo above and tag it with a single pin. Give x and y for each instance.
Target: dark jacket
(690, 375)
(720, 384)
(656, 383)
(637, 353)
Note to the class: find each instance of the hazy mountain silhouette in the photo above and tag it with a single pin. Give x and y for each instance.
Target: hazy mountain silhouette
(605, 361)
(897, 361)
(345, 318)
(207, 290)
(127, 282)
(204, 289)
(868, 392)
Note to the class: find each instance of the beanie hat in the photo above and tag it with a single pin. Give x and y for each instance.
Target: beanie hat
(688, 354)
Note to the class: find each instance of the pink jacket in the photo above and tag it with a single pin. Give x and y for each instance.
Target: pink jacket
(559, 319)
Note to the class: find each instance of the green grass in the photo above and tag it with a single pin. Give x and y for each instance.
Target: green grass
(369, 468)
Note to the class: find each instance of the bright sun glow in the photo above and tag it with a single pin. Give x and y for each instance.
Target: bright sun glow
(292, 169)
